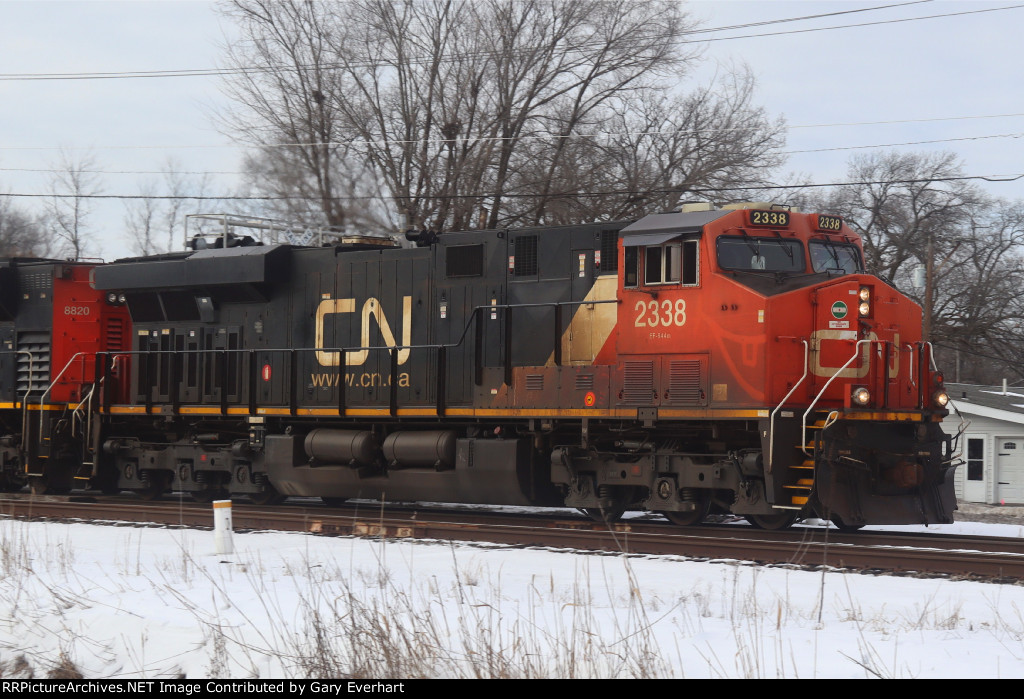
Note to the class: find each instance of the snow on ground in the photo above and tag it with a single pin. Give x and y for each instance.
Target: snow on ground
(138, 602)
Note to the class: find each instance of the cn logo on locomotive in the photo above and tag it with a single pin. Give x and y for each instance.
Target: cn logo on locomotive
(371, 309)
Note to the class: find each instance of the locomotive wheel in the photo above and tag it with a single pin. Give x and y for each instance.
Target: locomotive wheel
(155, 489)
(774, 522)
(333, 502)
(268, 496)
(696, 516)
(11, 484)
(843, 526)
(110, 489)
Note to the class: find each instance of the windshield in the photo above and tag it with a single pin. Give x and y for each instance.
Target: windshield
(754, 254)
(827, 256)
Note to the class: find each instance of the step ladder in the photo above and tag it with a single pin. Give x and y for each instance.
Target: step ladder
(81, 426)
(802, 468)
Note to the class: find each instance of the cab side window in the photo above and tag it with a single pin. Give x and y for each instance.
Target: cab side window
(671, 263)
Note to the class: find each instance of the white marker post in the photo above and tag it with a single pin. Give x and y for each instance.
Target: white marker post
(222, 527)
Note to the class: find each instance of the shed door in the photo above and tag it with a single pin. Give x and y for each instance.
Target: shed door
(1010, 469)
(974, 475)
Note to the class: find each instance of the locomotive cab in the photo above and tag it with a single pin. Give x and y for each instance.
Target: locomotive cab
(765, 314)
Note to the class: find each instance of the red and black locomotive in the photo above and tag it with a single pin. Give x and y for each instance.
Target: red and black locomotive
(737, 360)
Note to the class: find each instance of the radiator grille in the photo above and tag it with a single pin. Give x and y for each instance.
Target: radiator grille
(525, 250)
(33, 372)
(584, 382)
(115, 334)
(609, 251)
(36, 281)
(638, 383)
(684, 381)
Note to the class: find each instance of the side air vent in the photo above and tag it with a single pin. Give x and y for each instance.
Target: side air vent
(36, 281)
(534, 382)
(34, 370)
(684, 381)
(584, 382)
(115, 334)
(609, 251)
(638, 383)
(525, 251)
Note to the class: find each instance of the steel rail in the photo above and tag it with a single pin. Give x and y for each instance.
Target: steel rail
(805, 548)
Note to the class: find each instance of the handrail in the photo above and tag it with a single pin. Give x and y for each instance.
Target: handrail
(53, 383)
(910, 351)
(964, 424)
(931, 355)
(810, 408)
(771, 423)
(24, 399)
(87, 402)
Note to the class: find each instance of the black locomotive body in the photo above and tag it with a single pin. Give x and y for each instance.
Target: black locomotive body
(358, 370)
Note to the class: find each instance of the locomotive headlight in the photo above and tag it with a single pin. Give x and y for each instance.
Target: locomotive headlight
(111, 298)
(861, 396)
(941, 398)
(864, 308)
(122, 299)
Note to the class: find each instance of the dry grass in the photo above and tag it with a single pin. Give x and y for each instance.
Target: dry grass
(317, 618)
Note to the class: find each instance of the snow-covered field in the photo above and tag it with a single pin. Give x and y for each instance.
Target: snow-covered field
(137, 602)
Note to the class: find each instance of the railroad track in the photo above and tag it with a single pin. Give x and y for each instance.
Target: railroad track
(998, 559)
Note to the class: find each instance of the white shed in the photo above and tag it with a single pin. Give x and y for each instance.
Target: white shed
(993, 443)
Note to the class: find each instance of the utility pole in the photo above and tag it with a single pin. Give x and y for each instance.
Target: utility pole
(929, 264)
(930, 270)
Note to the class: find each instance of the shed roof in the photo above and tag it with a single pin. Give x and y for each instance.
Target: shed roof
(988, 401)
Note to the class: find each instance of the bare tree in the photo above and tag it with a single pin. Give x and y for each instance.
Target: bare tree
(979, 311)
(906, 205)
(461, 108)
(21, 234)
(291, 193)
(660, 149)
(923, 222)
(154, 223)
(289, 95)
(140, 220)
(70, 206)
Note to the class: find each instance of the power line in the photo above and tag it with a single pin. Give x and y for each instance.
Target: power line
(906, 143)
(537, 137)
(122, 172)
(246, 70)
(870, 24)
(507, 195)
(784, 152)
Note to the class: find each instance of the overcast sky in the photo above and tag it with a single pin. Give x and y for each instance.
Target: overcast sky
(952, 80)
